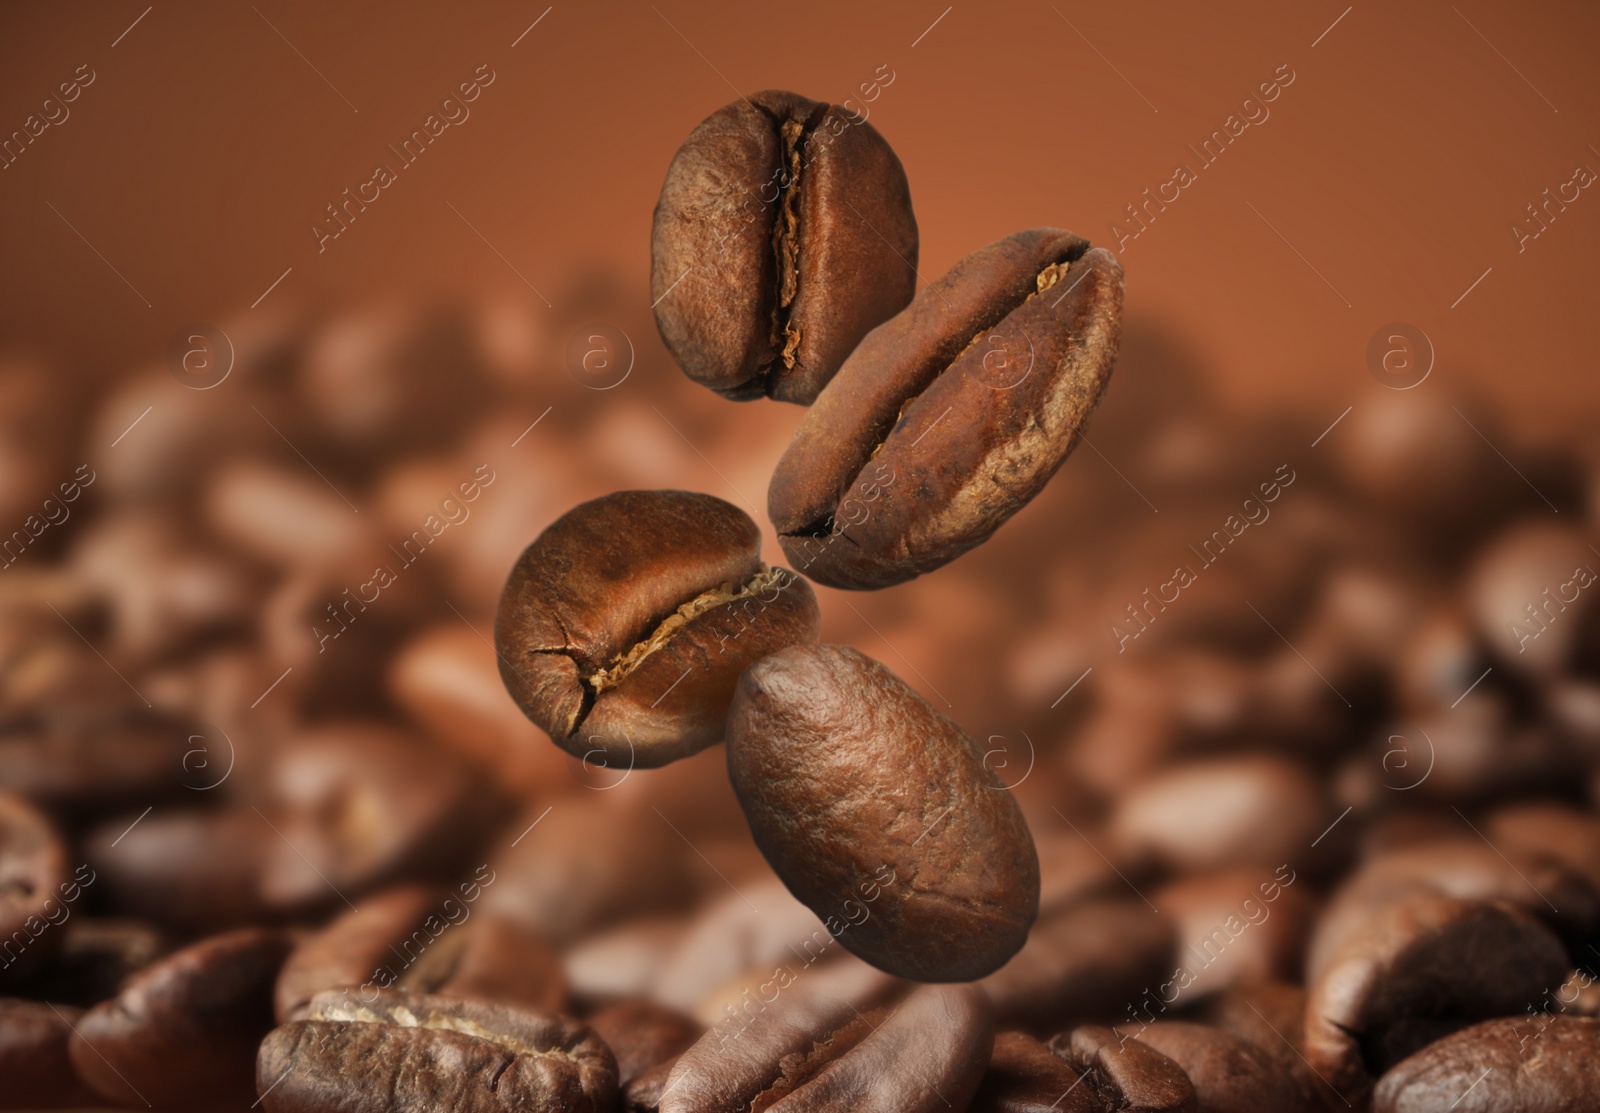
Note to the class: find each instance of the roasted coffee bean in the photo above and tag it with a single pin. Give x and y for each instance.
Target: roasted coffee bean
(1416, 971)
(186, 1028)
(1025, 1076)
(79, 764)
(423, 941)
(1241, 926)
(95, 959)
(953, 414)
(879, 813)
(783, 234)
(196, 871)
(643, 1035)
(399, 1053)
(1098, 959)
(1567, 834)
(33, 1056)
(1271, 1017)
(34, 882)
(1125, 1074)
(624, 626)
(1533, 595)
(820, 1053)
(1531, 1064)
(1229, 1074)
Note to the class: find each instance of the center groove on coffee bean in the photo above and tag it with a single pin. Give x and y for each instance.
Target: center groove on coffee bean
(793, 134)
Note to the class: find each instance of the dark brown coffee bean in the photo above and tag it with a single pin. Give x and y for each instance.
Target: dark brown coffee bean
(186, 1028)
(400, 1053)
(197, 871)
(1228, 1073)
(1271, 1017)
(1552, 830)
(95, 959)
(952, 415)
(879, 813)
(1416, 971)
(1532, 1064)
(33, 1056)
(783, 234)
(423, 941)
(1177, 819)
(1025, 1076)
(817, 1053)
(76, 764)
(643, 1035)
(34, 883)
(1098, 959)
(1124, 1073)
(357, 803)
(624, 626)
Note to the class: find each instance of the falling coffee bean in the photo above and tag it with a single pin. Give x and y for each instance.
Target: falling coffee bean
(624, 625)
(186, 1028)
(399, 1053)
(879, 813)
(952, 415)
(783, 234)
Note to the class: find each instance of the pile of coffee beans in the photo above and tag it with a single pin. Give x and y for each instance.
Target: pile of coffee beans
(1252, 765)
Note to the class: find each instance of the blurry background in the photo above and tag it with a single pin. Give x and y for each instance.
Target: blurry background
(218, 424)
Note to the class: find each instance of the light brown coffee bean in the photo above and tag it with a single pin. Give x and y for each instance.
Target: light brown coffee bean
(879, 813)
(784, 232)
(643, 1035)
(952, 415)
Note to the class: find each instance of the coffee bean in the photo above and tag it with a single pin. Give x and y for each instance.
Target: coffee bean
(95, 959)
(1228, 1073)
(613, 966)
(1098, 959)
(1241, 926)
(1532, 1064)
(33, 1056)
(197, 871)
(1416, 971)
(423, 941)
(1124, 1073)
(186, 1028)
(33, 879)
(952, 415)
(818, 1053)
(1567, 834)
(1025, 1076)
(400, 1053)
(93, 763)
(880, 815)
(643, 1035)
(624, 626)
(783, 234)
(1533, 594)
(1271, 1017)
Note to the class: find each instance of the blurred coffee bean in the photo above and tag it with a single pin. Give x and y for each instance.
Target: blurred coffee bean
(765, 272)
(33, 1056)
(193, 870)
(1271, 1017)
(1099, 959)
(1533, 1064)
(1025, 1076)
(286, 518)
(1438, 659)
(400, 1053)
(1238, 926)
(578, 866)
(35, 448)
(185, 1029)
(355, 804)
(624, 626)
(1229, 1074)
(448, 680)
(1071, 868)
(95, 958)
(423, 941)
(623, 962)
(36, 890)
(642, 1035)
(839, 975)
(854, 786)
(1464, 868)
(1125, 1073)
(1416, 971)
(1205, 815)
(1547, 829)
(928, 1054)
(1533, 593)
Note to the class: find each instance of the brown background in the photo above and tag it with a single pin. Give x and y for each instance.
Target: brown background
(1395, 163)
